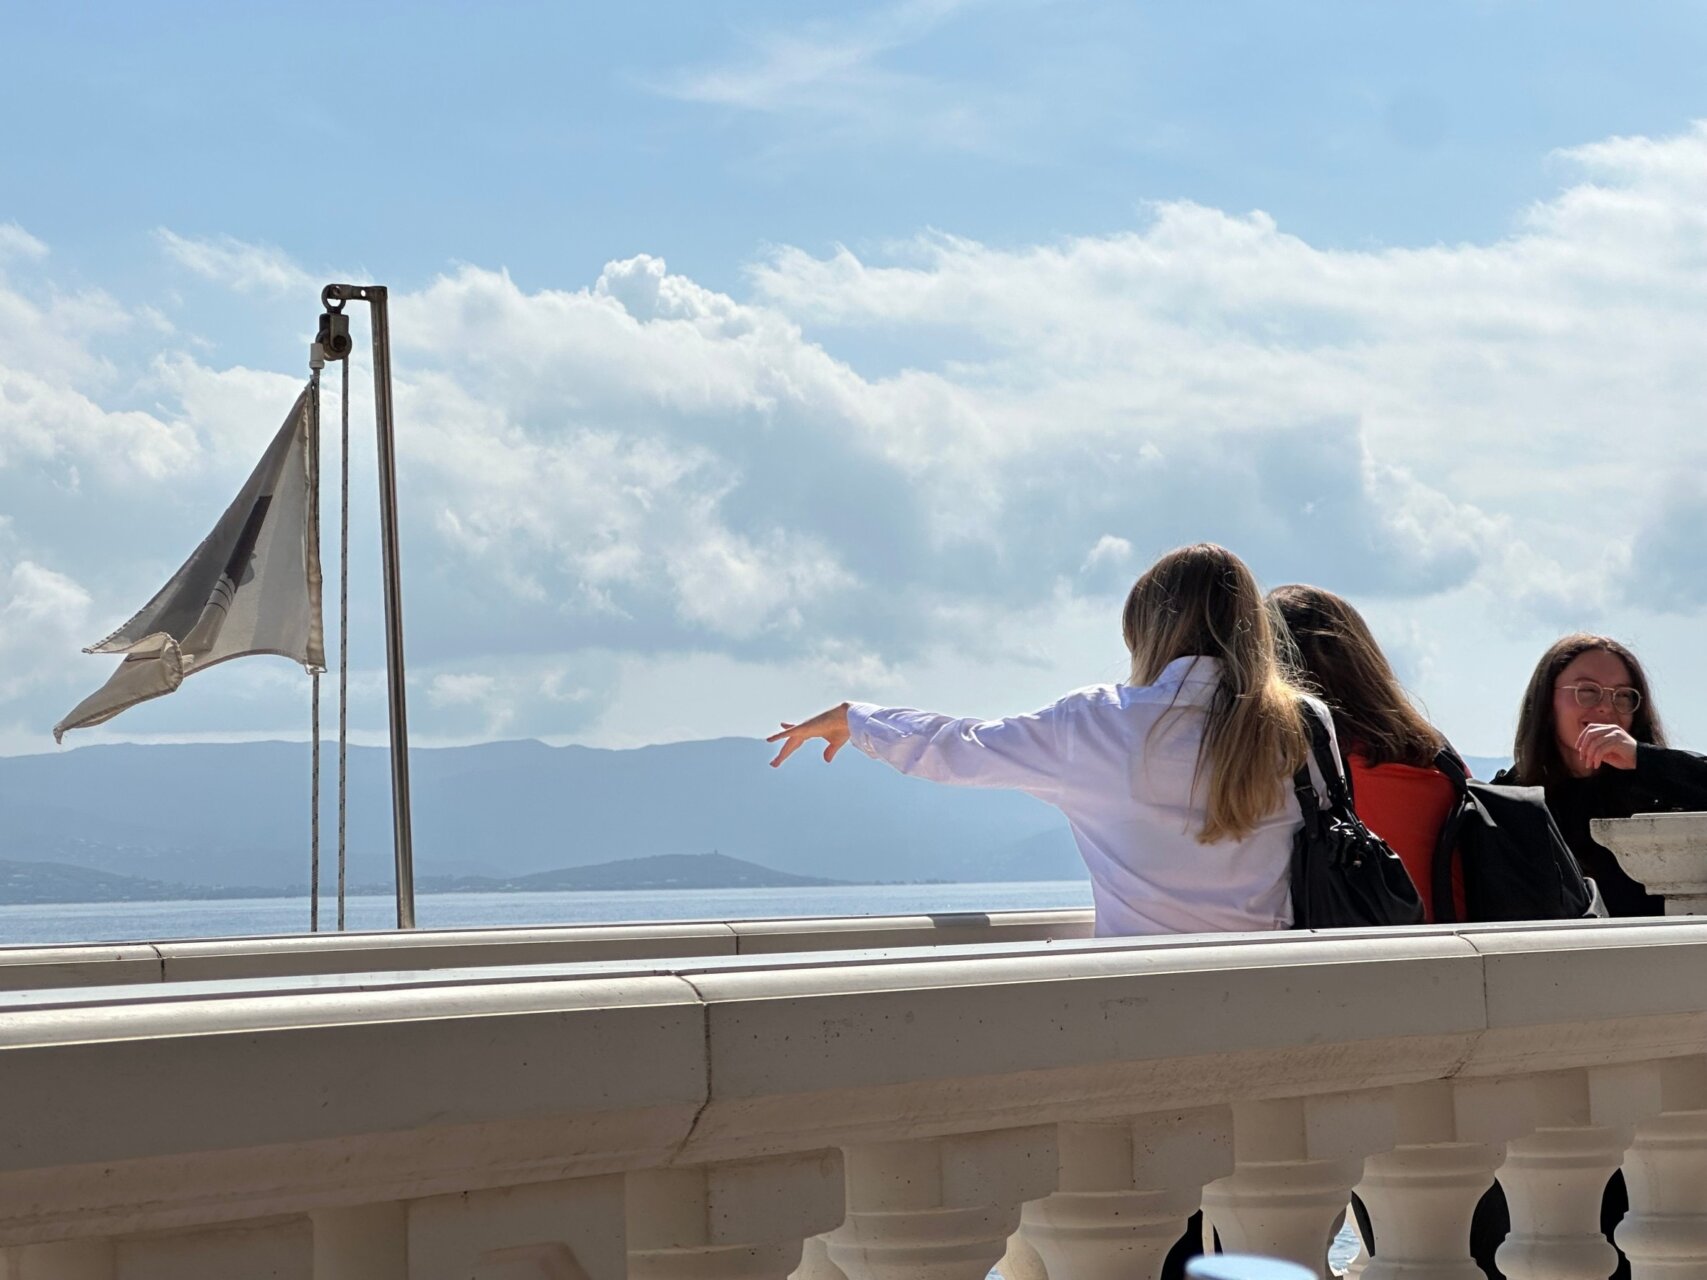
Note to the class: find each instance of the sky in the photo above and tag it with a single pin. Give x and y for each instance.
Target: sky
(753, 356)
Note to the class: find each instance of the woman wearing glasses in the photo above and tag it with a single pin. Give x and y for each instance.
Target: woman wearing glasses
(1589, 734)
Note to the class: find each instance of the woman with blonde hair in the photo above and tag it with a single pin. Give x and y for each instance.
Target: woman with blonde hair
(1176, 784)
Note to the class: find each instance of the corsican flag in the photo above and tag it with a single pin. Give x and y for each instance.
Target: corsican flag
(253, 586)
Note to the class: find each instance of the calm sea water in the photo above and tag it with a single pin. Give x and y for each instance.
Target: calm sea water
(240, 917)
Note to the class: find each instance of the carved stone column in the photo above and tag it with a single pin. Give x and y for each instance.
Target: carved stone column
(1422, 1193)
(939, 1208)
(1295, 1163)
(1554, 1177)
(1665, 1233)
(1022, 1261)
(743, 1220)
(1126, 1191)
(815, 1261)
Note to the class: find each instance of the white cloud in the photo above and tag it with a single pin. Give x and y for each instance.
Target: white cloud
(42, 613)
(643, 472)
(237, 264)
(831, 76)
(1109, 550)
(17, 243)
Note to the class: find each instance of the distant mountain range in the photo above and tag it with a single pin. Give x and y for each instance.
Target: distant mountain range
(190, 820)
(235, 816)
(56, 882)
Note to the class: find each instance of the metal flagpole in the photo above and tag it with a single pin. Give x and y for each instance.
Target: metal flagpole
(316, 362)
(335, 329)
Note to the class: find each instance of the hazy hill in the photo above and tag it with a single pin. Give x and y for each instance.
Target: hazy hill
(237, 814)
(665, 871)
(24, 882)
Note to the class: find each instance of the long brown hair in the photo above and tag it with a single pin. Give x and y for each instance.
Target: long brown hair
(1336, 652)
(1536, 760)
(1202, 600)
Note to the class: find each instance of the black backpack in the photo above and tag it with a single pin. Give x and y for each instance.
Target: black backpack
(1344, 876)
(1517, 865)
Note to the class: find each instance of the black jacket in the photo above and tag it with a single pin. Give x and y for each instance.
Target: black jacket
(1664, 780)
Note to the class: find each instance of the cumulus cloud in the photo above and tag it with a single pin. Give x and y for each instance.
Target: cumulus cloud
(638, 468)
(1664, 570)
(237, 264)
(43, 614)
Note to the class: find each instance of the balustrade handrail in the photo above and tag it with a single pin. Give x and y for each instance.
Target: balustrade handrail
(191, 959)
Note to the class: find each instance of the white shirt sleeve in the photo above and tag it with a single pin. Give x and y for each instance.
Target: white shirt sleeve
(1022, 752)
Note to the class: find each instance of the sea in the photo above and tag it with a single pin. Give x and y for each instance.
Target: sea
(31, 923)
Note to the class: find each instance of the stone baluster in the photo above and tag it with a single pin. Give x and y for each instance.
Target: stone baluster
(938, 1208)
(1665, 852)
(1021, 1261)
(1554, 1177)
(1125, 1193)
(815, 1261)
(1665, 1233)
(1421, 1194)
(1295, 1161)
(741, 1220)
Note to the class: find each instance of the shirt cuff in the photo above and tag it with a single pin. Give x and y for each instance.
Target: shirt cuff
(859, 725)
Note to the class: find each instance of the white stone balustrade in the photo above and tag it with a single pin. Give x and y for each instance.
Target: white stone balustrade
(680, 1118)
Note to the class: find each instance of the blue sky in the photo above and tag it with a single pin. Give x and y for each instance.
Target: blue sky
(755, 354)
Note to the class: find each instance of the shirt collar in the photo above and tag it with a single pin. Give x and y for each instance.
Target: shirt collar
(1191, 673)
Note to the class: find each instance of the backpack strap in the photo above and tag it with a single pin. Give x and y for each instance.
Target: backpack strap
(1448, 762)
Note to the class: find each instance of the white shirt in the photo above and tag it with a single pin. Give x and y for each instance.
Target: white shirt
(1120, 765)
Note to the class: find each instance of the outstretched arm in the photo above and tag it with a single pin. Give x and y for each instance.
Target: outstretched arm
(1023, 752)
(831, 726)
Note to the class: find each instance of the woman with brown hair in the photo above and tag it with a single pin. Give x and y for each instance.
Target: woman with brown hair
(1589, 734)
(1389, 747)
(1177, 784)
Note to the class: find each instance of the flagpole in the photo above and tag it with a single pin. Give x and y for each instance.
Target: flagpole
(333, 296)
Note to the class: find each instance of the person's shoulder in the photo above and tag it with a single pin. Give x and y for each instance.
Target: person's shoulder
(1093, 696)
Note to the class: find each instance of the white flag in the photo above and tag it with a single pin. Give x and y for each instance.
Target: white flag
(253, 586)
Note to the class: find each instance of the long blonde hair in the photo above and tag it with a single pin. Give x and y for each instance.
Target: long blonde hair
(1202, 600)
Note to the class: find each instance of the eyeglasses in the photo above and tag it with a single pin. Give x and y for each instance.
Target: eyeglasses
(1624, 699)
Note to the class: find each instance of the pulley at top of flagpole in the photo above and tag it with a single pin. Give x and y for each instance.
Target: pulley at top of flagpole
(333, 337)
